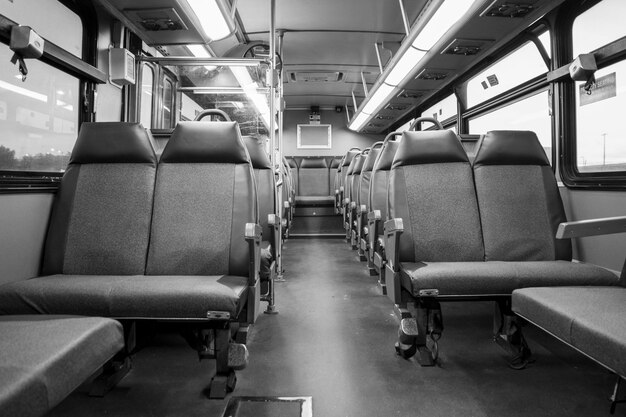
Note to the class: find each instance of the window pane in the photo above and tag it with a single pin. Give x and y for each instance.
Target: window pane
(521, 65)
(167, 104)
(38, 117)
(442, 110)
(598, 26)
(147, 83)
(532, 113)
(46, 17)
(600, 136)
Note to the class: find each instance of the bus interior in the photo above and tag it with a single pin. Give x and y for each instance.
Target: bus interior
(312, 208)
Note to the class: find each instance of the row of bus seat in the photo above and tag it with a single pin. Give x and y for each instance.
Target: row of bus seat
(132, 238)
(477, 228)
(314, 179)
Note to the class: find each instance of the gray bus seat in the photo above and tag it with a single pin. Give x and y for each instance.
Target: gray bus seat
(359, 235)
(333, 168)
(344, 167)
(378, 210)
(313, 182)
(120, 246)
(353, 196)
(45, 358)
(451, 227)
(266, 189)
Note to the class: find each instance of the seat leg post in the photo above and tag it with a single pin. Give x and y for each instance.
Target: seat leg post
(112, 373)
(271, 294)
(618, 396)
(430, 326)
(508, 334)
(229, 356)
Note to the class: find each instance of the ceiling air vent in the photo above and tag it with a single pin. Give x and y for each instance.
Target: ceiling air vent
(432, 74)
(508, 9)
(383, 117)
(411, 95)
(375, 125)
(315, 77)
(154, 20)
(465, 47)
(396, 107)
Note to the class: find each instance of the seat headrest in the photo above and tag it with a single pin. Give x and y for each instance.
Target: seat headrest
(112, 142)
(313, 163)
(510, 147)
(387, 153)
(429, 147)
(206, 142)
(370, 160)
(350, 156)
(334, 163)
(256, 150)
(292, 162)
(360, 160)
(353, 164)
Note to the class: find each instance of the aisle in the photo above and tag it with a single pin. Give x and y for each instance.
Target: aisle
(333, 340)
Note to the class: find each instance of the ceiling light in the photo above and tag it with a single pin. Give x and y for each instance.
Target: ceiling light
(444, 18)
(358, 122)
(376, 100)
(199, 51)
(214, 16)
(405, 64)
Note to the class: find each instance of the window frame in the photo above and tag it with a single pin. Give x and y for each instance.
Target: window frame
(565, 90)
(88, 75)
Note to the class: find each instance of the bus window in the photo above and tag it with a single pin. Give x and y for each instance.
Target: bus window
(506, 74)
(147, 88)
(588, 35)
(531, 113)
(168, 103)
(39, 117)
(600, 136)
(46, 21)
(443, 110)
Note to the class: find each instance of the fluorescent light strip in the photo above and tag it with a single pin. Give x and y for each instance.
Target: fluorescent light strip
(446, 16)
(24, 91)
(216, 22)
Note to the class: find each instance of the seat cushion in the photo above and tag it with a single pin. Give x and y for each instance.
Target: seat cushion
(129, 296)
(589, 318)
(44, 358)
(499, 278)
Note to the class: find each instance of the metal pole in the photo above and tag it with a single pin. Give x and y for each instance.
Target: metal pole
(405, 19)
(354, 102)
(281, 179)
(380, 61)
(364, 84)
(271, 308)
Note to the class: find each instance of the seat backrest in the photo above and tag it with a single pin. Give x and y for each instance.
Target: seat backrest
(265, 183)
(519, 201)
(313, 177)
(380, 179)
(345, 167)
(347, 187)
(293, 166)
(204, 197)
(432, 190)
(366, 174)
(100, 221)
(356, 175)
(333, 166)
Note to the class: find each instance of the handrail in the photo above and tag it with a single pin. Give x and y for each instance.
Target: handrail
(212, 112)
(419, 120)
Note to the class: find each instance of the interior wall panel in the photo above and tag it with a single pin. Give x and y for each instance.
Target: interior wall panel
(23, 225)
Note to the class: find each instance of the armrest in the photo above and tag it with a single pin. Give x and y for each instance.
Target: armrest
(393, 228)
(374, 215)
(253, 237)
(273, 220)
(592, 227)
(362, 209)
(373, 220)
